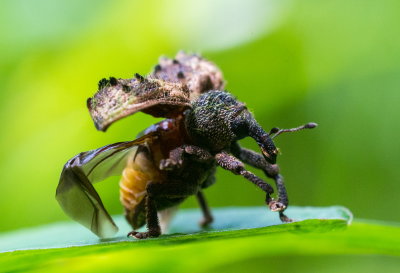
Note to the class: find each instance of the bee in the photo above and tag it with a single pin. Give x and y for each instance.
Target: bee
(174, 158)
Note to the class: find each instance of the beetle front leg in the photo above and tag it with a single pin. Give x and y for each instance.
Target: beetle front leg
(282, 198)
(231, 163)
(256, 160)
(176, 156)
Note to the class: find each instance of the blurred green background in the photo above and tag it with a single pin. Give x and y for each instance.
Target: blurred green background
(336, 63)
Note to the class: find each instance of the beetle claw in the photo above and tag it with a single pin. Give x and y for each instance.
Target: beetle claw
(276, 206)
(205, 222)
(284, 218)
(142, 235)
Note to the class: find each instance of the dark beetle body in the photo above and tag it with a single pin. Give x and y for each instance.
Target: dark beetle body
(174, 158)
(192, 176)
(205, 121)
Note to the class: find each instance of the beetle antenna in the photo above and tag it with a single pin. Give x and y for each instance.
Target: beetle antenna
(274, 132)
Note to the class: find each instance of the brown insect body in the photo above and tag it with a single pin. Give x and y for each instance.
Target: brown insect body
(142, 167)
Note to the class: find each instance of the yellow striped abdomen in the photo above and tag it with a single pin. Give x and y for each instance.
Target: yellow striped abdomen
(138, 172)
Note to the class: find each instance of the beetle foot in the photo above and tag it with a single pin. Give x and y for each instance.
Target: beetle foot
(284, 218)
(205, 222)
(276, 206)
(144, 235)
(279, 207)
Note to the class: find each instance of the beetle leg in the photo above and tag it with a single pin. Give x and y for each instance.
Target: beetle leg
(153, 227)
(233, 164)
(155, 191)
(174, 161)
(199, 154)
(256, 160)
(207, 217)
(176, 156)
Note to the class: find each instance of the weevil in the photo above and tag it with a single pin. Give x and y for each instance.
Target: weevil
(174, 158)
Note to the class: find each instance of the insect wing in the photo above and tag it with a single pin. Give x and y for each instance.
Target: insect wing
(75, 192)
(118, 98)
(167, 92)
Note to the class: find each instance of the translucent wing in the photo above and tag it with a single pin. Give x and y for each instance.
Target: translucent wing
(166, 92)
(75, 192)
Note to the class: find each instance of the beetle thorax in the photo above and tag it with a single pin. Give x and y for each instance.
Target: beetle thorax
(208, 123)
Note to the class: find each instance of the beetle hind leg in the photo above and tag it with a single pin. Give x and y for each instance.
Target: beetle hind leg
(153, 227)
(207, 217)
(157, 194)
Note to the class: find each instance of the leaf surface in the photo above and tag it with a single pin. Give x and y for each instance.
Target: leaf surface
(240, 238)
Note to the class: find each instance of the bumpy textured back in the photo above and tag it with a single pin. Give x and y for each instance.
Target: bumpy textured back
(209, 122)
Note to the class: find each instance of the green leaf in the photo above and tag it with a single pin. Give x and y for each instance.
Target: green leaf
(241, 238)
(185, 222)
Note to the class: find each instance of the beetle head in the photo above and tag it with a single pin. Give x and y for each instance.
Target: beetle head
(244, 125)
